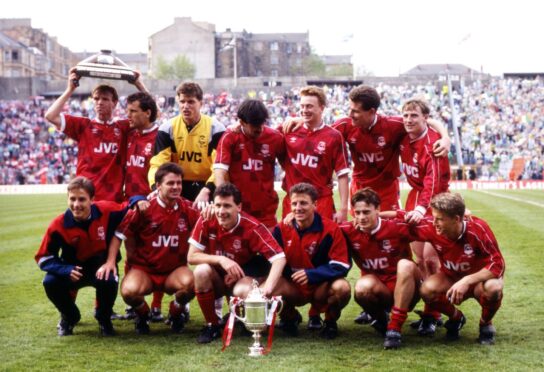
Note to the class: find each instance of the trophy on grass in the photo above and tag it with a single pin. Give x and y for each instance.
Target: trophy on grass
(105, 65)
(258, 313)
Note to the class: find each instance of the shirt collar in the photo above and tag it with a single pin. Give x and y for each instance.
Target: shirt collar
(109, 122)
(420, 136)
(374, 122)
(70, 221)
(316, 226)
(151, 129)
(463, 230)
(236, 225)
(377, 228)
(163, 204)
(316, 129)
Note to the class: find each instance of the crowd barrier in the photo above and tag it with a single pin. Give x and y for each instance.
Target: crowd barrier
(454, 185)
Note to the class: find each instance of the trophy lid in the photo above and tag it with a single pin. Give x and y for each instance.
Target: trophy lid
(105, 65)
(255, 295)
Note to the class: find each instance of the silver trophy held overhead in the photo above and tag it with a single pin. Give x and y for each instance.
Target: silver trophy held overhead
(258, 314)
(105, 65)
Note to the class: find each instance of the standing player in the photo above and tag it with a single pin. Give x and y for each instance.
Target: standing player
(317, 262)
(229, 251)
(81, 236)
(313, 152)
(247, 159)
(389, 279)
(157, 250)
(471, 265)
(101, 141)
(189, 139)
(428, 175)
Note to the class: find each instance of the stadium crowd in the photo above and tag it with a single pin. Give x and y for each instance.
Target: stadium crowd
(501, 120)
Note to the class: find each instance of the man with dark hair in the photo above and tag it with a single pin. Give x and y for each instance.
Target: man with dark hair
(230, 251)
(189, 139)
(389, 279)
(317, 262)
(73, 251)
(471, 265)
(101, 140)
(157, 250)
(247, 158)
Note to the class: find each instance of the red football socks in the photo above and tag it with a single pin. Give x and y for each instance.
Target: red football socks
(206, 300)
(398, 317)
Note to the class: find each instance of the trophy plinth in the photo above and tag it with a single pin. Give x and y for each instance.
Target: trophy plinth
(105, 66)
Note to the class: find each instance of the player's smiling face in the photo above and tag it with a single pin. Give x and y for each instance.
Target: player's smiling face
(359, 117)
(303, 208)
(170, 187)
(366, 216)
(79, 203)
(189, 107)
(226, 211)
(104, 105)
(311, 111)
(446, 225)
(415, 122)
(138, 119)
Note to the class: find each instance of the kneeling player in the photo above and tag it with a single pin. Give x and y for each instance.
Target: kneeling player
(230, 251)
(317, 259)
(471, 265)
(389, 278)
(156, 243)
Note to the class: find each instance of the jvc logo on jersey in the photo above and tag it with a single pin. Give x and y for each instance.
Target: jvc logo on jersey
(410, 170)
(107, 148)
(375, 263)
(136, 161)
(305, 160)
(166, 241)
(370, 157)
(191, 156)
(460, 266)
(253, 164)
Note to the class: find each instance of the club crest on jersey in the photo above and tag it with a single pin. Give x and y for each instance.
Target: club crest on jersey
(182, 225)
(116, 132)
(468, 250)
(101, 233)
(202, 141)
(381, 141)
(311, 248)
(147, 150)
(321, 147)
(265, 149)
(386, 246)
(289, 243)
(237, 245)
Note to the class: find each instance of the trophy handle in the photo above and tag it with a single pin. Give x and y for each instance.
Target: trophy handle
(234, 303)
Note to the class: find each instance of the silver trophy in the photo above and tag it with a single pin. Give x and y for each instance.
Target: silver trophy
(105, 65)
(258, 311)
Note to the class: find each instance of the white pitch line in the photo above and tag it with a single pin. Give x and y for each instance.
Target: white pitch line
(512, 198)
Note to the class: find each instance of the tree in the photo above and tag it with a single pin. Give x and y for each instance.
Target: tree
(179, 69)
(340, 70)
(313, 65)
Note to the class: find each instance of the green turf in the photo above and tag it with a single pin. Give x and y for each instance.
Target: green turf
(28, 335)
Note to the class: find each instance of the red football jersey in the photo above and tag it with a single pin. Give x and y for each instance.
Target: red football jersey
(156, 240)
(101, 153)
(476, 248)
(79, 245)
(374, 152)
(250, 165)
(379, 251)
(313, 156)
(240, 244)
(426, 173)
(320, 244)
(139, 152)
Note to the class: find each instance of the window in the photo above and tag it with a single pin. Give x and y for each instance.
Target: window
(274, 45)
(258, 46)
(274, 59)
(274, 73)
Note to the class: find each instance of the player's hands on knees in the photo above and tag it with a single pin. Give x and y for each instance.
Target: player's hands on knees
(300, 277)
(292, 124)
(413, 217)
(442, 147)
(457, 292)
(103, 273)
(76, 274)
(232, 268)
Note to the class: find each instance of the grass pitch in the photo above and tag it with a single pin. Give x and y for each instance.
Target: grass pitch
(28, 320)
